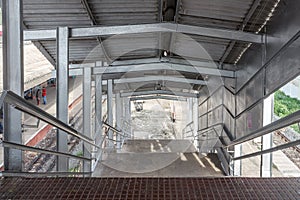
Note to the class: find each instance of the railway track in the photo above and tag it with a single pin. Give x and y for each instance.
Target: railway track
(39, 162)
(292, 153)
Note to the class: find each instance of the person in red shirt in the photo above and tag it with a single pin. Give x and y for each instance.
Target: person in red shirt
(44, 95)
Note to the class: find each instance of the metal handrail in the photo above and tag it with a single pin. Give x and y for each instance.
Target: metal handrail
(24, 106)
(38, 150)
(281, 123)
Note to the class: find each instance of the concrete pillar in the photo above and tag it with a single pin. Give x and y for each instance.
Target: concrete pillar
(87, 115)
(62, 93)
(110, 109)
(13, 79)
(267, 140)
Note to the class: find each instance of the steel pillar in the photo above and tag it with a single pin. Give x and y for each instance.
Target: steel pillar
(237, 163)
(195, 119)
(127, 112)
(13, 79)
(266, 159)
(87, 107)
(98, 108)
(190, 110)
(62, 93)
(118, 117)
(110, 109)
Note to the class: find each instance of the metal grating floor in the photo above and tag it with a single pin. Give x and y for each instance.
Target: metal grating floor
(150, 188)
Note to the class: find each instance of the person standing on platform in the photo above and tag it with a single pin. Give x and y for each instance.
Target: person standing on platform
(44, 95)
(37, 96)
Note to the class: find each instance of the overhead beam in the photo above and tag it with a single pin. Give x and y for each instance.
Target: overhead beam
(148, 28)
(155, 92)
(159, 78)
(165, 66)
(158, 97)
(42, 49)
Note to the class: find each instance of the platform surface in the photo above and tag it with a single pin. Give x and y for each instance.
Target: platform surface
(150, 188)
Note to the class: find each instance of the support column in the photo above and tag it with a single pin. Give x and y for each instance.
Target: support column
(237, 163)
(98, 108)
(13, 79)
(110, 109)
(190, 109)
(266, 159)
(118, 118)
(87, 72)
(195, 119)
(62, 93)
(127, 113)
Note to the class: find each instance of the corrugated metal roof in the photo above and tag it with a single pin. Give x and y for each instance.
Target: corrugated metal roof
(37, 68)
(225, 14)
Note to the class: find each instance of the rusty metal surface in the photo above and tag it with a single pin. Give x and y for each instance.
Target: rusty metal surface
(150, 188)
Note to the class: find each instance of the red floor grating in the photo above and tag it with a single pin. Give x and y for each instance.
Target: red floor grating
(150, 188)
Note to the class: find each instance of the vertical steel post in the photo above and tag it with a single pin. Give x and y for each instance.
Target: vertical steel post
(127, 113)
(110, 109)
(266, 168)
(267, 112)
(62, 92)
(118, 117)
(87, 81)
(237, 163)
(195, 119)
(190, 109)
(13, 78)
(98, 108)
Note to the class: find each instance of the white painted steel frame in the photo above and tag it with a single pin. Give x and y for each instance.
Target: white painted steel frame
(147, 28)
(13, 79)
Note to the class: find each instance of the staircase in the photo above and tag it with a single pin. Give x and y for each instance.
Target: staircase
(158, 158)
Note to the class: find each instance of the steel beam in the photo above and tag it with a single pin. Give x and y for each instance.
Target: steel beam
(142, 98)
(110, 108)
(13, 79)
(151, 92)
(33, 35)
(62, 92)
(147, 28)
(87, 79)
(165, 66)
(188, 62)
(159, 78)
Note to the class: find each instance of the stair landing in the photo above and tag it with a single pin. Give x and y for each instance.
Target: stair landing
(158, 158)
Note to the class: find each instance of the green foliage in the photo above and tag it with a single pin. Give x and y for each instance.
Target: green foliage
(285, 105)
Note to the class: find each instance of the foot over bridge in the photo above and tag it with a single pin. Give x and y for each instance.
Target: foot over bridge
(206, 74)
